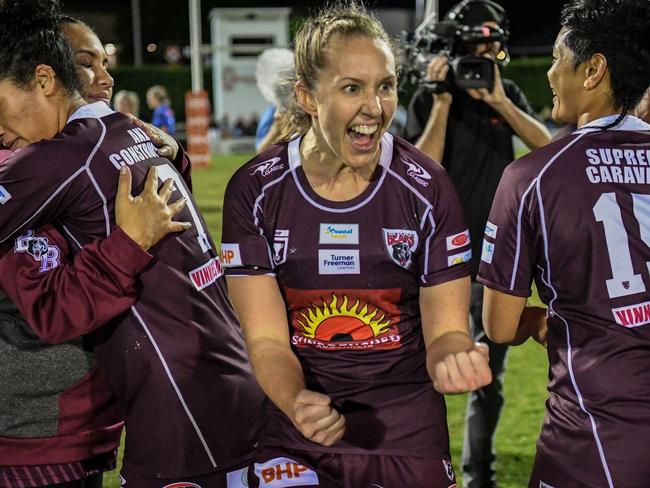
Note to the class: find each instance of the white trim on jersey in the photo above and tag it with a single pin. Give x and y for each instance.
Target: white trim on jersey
(95, 110)
(629, 122)
(175, 386)
(536, 183)
(257, 206)
(384, 161)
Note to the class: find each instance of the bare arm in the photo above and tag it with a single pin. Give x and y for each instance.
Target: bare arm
(507, 319)
(263, 316)
(432, 139)
(531, 131)
(455, 364)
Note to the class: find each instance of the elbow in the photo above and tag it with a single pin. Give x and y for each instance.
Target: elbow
(497, 333)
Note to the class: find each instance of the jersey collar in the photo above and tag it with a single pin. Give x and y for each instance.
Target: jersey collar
(95, 110)
(630, 122)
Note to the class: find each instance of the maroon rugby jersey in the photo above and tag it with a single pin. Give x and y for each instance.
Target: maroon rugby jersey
(177, 361)
(575, 216)
(350, 273)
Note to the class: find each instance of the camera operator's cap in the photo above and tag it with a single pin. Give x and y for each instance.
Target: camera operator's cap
(475, 12)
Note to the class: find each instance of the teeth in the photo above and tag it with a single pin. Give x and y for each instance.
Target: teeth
(365, 129)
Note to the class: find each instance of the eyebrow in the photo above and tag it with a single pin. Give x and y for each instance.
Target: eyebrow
(356, 80)
(86, 51)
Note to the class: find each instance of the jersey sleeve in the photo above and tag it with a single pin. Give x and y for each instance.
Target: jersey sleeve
(508, 254)
(245, 249)
(30, 197)
(63, 298)
(447, 248)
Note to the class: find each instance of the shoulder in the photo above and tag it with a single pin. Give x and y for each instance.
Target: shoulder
(524, 170)
(414, 166)
(265, 168)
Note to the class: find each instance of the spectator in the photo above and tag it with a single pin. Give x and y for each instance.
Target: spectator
(274, 66)
(163, 115)
(127, 102)
(470, 133)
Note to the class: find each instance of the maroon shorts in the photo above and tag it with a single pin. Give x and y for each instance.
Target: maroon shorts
(546, 475)
(276, 467)
(230, 478)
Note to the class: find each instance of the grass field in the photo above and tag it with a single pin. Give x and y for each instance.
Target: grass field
(525, 387)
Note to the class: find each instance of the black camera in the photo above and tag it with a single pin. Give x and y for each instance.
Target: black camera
(457, 41)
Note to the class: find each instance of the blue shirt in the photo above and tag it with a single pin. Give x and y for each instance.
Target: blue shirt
(163, 117)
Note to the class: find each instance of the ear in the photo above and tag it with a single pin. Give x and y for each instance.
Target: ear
(595, 69)
(305, 98)
(45, 79)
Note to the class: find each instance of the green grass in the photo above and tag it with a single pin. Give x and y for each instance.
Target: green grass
(525, 387)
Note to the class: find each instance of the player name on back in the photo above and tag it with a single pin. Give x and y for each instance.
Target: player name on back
(613, 165)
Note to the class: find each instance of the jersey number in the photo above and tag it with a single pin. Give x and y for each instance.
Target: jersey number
(623, 282)
(166, 172)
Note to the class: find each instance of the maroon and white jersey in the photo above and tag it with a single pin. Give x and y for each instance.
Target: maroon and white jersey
(350, 274)
(177, 360)
(575, 216)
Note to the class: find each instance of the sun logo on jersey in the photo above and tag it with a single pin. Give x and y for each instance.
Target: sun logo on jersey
(345, 323)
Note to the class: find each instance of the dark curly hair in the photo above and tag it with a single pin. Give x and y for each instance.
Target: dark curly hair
(30, 36)
(620, 30)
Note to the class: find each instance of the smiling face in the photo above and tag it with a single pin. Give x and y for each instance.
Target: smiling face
(92, 63)
(566, 82)
(354, 100)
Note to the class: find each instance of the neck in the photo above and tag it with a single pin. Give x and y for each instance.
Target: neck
(73, 104)
(600, 107)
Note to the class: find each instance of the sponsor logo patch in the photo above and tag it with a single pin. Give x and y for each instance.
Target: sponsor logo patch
(348, 319)
(488, 252)
(230, 255)
(182, 484)
(267, 167)
(463, 257)
(282, 471)
(280, 245)
(338, 261)
(5, 196)
(417, 172)
(458, 240)
(38, 247)
(401, 244)
(207, 274)
(632, 315)
(491, 230)
(237, 478)
(339, 234)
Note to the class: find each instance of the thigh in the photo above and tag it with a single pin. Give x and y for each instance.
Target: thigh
(546, 475)
(235, 477)
(375, 471)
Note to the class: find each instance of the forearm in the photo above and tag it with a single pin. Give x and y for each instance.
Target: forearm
(278, 372)
(432, 140)
(451, 342)
(531, 131)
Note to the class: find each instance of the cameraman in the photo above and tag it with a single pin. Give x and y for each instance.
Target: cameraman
(470, 133)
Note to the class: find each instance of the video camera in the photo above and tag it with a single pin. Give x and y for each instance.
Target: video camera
(456, 38)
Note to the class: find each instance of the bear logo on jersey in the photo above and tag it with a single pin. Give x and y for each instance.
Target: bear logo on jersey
(38, 247)
(401, 244)
(267, 167)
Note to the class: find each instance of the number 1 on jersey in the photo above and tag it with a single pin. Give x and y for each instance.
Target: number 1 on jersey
(623, 282)
(166, 172)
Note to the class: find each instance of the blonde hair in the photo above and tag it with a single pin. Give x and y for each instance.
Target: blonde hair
(131, 98)
(158, 92)
(340, 18)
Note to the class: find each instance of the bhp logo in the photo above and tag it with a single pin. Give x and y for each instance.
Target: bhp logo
(281, 472)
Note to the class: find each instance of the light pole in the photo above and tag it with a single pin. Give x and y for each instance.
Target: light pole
(137, 32)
